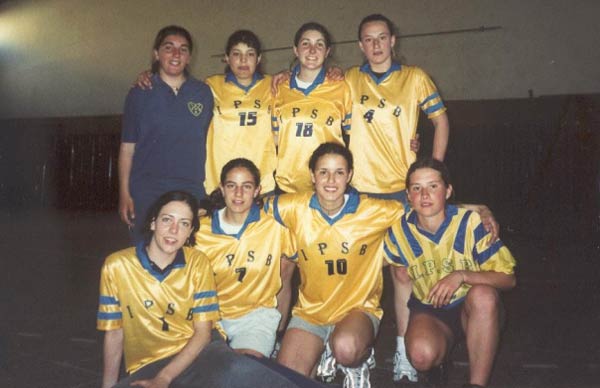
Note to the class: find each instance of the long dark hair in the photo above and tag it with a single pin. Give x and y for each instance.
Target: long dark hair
(171, 196)
(160, 37)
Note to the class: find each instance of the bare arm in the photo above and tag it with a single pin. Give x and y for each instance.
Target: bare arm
(113, 352)
(440, 137)
(284, 297)
(126, 205)
(183, 359)
(441, 294)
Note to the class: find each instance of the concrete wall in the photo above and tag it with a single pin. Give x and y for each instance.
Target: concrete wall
(78, 57)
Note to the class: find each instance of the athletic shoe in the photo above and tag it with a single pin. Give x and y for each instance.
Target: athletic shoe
(327, 366)
(275, 351)
(403, 369)
(371, 360)
(356, 377)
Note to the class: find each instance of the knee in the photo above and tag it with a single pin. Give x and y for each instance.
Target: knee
(423, 355)
(483, 299)
(347, 349)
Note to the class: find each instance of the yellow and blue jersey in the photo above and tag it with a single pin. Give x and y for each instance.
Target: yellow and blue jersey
(247, 265)
(461, 243)
(339, 258)
(385, 114)
(155, 309)
(240, 128)
(303, 119)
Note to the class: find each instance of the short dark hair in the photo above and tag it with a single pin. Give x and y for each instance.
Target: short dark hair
(376, 17)
(330, 148)
(166, 31)
(243, 36)
(171, 196)
(432, 163)
(247, 37)
(316, 27)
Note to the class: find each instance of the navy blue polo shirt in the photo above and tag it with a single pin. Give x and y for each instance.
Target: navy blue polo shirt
(169, 132)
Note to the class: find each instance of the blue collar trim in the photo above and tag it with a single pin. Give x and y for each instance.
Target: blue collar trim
(142, 254)
(230, 77)
(318, 81)
(366, 68)
(349, 208)
(253, 216)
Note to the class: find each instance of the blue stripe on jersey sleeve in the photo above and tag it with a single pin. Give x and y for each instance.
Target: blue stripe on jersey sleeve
(206, 309)
(110, 316)
(412, 241)
(434, 108)
(294, 257)
(274, 124)
(205, 294)
(346, 128)
(479, 233)
(459, 240)
(276, 214)
(489, 252)
(431, 97)
(109, 300)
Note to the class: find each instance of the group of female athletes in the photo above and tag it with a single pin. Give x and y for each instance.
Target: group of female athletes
(279, 166)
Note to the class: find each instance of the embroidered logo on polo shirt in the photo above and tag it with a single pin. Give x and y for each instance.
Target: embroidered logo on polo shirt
(195, 108)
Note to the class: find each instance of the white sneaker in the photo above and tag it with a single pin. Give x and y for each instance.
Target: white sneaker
(356, 377)
(275, 351)
(371, 360)
(327, 366)
(403, 368)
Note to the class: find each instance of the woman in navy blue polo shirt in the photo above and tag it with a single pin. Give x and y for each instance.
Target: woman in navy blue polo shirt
(163, 141)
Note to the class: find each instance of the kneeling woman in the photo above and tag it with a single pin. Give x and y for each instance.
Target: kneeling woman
(339, 234)
(245, 247)
(158, 299)
(456, 271)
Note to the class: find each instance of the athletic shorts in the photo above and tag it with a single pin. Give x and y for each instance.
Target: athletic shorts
(256, 330)
(324, 331)
(449, 317)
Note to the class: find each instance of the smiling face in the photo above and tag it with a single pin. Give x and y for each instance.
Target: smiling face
(427, 194)
(173, 56)
(171, 228)
(331, 177)
(311, 50)
(377, 43)
(239, 192)
(242, 61)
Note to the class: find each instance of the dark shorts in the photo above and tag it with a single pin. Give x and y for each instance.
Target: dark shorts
(449, 317)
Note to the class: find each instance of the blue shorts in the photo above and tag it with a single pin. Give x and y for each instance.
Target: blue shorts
(324, 331)
(450, 317)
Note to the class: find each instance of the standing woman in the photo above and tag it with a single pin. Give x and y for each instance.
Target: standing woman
(388, 98)
(308, 110)
(246, 248)
(339, 235)
(457, 272)
(241, 125)
(163, 139)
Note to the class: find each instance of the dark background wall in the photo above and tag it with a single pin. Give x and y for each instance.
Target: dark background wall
(534, 161)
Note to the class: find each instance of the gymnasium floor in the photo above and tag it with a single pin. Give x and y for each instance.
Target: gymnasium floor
(51, 263)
